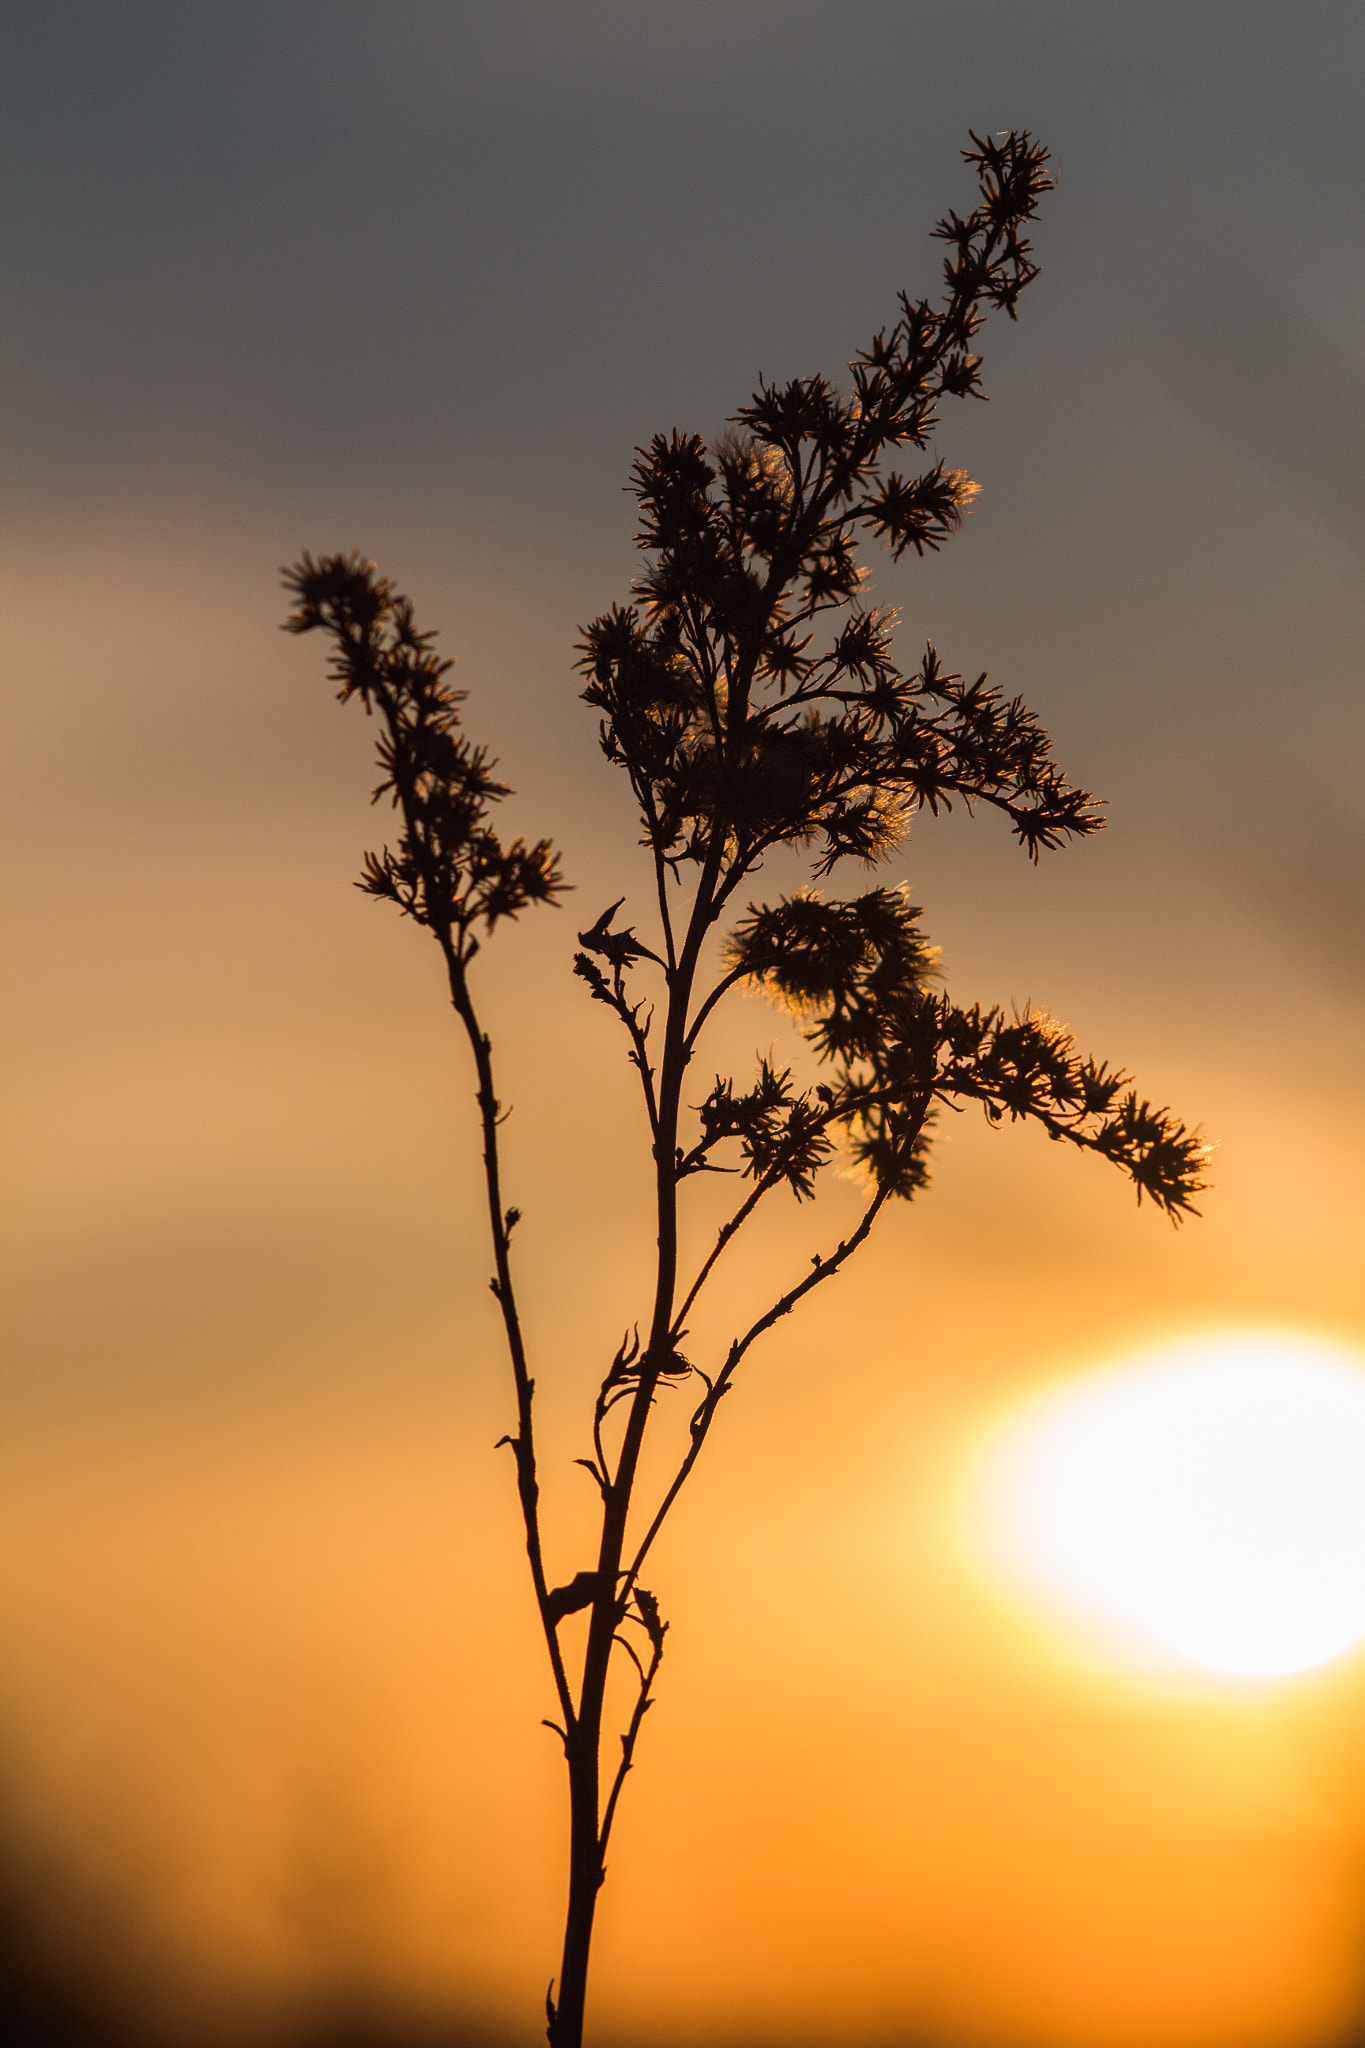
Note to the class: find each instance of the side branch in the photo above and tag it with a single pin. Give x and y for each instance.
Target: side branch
(613, 994)
(501, 1224)
(855, 1103)
(761, 1187)
(721, 988)
(821, 1270)
(656, 1630)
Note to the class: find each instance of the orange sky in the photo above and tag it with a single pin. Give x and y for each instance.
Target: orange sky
(268, 1733)
(274, 1687)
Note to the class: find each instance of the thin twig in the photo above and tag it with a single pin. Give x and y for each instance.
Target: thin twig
(628, 1740)
(821, 1270)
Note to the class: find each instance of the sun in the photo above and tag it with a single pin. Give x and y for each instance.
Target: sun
(1208, 1497)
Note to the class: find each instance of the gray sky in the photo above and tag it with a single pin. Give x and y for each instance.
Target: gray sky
(347, 272)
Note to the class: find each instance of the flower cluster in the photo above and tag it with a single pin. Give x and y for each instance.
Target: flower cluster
(725, 694)
(858, 974)
(751, 692)
(450, 871)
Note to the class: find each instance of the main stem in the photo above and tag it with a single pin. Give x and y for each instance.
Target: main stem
(586, 1865)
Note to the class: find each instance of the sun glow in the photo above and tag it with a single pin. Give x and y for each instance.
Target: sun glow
(1208, 1497)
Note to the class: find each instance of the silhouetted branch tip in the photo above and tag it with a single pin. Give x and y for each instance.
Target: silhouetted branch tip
(449, 871)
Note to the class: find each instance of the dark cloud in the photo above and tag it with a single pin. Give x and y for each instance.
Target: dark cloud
(254, 241)
(1254, 371)
(1307, 880)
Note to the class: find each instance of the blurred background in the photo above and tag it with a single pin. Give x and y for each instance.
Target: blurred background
(416, 277)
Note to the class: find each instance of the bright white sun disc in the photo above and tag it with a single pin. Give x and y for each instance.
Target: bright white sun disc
(1210, 1496)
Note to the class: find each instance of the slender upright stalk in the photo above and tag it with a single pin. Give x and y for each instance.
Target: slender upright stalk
(742, 732)
(586, 1843)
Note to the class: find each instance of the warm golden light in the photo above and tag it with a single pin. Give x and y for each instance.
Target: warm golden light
(1208, 1497)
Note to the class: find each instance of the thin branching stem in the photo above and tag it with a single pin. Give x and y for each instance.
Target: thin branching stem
(523, 1443)
(763, 1186)
(644, 1701)
(718, 993)
(704, 1415)
(741, 732)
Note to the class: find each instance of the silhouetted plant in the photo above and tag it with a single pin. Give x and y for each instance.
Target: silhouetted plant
(751, 695)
